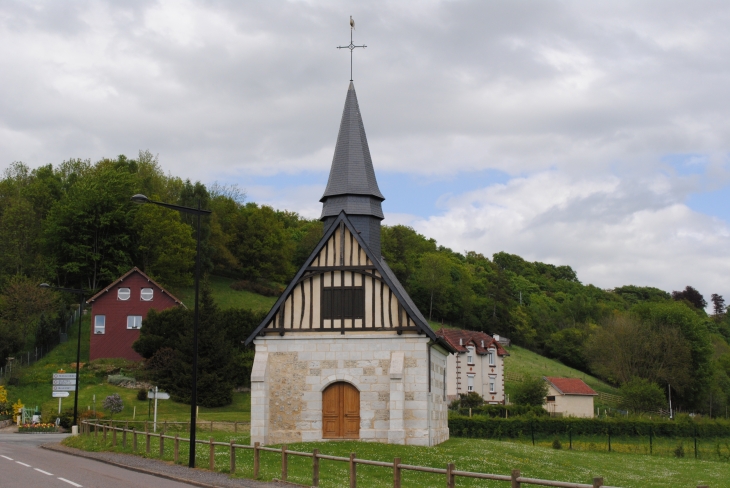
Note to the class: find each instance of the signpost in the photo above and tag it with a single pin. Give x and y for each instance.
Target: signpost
(63, 383)
(157, 395)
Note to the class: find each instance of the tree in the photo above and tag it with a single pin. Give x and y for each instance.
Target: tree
(568, 345)
(433, 276)
(88, 232)
(718, 305)
(166, 245)
(641, 395)
(692, 296)
(22, 303)
(470, 400)
(531, 391)
(113, 403)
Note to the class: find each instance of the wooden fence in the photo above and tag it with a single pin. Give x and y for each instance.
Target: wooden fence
(516, 480)
(201, 425)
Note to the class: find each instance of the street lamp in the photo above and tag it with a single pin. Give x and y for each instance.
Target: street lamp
(78, 344)
(194, 399)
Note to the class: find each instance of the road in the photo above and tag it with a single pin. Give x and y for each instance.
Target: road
(23, 464)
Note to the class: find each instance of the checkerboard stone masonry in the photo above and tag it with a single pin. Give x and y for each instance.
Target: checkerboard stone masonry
(391, 372)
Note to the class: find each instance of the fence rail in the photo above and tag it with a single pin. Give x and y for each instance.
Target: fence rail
(450, 472)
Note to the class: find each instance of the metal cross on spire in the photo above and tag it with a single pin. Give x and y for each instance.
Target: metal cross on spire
(352, 46)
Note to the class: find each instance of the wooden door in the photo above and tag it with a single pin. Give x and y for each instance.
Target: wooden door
(341, 412)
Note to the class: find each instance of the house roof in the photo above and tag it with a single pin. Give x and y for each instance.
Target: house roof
(388, 277)
(570, 386)
(460, 339)
(124, 276)
(352, 185)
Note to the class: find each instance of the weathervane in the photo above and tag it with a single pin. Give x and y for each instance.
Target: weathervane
(351, 47)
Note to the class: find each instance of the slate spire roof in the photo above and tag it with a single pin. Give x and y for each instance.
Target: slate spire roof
(352, 186)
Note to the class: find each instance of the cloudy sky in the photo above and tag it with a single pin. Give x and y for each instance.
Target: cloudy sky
(594, 134)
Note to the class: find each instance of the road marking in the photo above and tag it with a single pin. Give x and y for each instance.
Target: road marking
(23, 464)
(44, 472)
(9, 459)
(70, 482)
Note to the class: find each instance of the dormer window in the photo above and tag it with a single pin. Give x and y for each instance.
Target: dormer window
(123, 294)
(490, 357)
(146, 294)
(470, 355)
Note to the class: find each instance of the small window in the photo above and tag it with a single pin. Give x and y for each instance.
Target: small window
(470, 382)
(492, 388)
(100, 324)
(134, 321)
(146, 294)
(490, 356)
(123, 294)
(470, 355)
(551, 398)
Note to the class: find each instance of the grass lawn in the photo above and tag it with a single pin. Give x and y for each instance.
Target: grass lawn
(489, 456)
(35, 389)
(226, 297)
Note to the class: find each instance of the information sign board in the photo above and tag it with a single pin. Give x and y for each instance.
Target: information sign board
(60, 394)
(64, 387)
(64, 376)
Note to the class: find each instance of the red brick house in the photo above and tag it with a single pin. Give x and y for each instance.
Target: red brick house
(117, 313)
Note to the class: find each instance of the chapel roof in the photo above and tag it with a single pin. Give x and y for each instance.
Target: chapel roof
(352, 168)
(570, 386)
(460, 339)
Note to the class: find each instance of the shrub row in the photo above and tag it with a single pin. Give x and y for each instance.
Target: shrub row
(484, 427)
(505, 411)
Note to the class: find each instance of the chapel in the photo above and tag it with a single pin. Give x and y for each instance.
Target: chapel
(345, 353)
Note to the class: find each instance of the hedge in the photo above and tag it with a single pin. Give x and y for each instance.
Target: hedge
(505, 411)
(485, 427)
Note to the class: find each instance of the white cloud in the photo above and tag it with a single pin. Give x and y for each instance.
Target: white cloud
(612, 232)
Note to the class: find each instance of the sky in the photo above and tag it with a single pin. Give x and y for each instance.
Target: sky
(592, 134)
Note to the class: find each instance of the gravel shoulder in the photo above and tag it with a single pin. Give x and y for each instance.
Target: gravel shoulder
(183, 474)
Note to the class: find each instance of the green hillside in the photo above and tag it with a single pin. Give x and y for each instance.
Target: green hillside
(226, 297)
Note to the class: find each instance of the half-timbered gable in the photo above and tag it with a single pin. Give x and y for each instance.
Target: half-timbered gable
(344, 353)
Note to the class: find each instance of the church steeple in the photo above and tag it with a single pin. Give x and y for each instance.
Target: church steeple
(352, 186)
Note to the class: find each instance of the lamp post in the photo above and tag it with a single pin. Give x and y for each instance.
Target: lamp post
(194, 398)
(78, 343)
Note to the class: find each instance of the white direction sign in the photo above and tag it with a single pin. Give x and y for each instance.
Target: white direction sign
(60, 394)
(159, 395)
(64, 382)
(64, 376)
(64, 387)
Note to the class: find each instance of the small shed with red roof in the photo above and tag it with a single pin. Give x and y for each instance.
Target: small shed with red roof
(118, 312)
(477, 365)
(569, 397)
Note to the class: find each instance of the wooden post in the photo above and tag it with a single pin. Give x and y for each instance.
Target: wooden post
(514, 482)
(211, 457)
(164, 426)
(124, 438)
(114, 436)
(134, 440)
(450, 478)
(233, 458)
(284, 463)
(104, 434)
(396, 473)
(147, 442)
(177, 448)
(597, 482)
(162, 445)
(96, 430)
(256, 460)
(315, 467)
(235, 427)
(211, 426)
(353, 471)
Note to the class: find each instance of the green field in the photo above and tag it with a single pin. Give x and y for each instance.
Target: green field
(226, 297)
(487, 456)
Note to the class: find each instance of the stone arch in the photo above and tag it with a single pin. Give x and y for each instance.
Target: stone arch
(334, 378)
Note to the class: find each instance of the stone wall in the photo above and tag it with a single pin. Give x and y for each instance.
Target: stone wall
(391, 372)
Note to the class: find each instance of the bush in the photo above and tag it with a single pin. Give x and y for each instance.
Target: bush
(470, 400)
(142, 394)
(557, 444)
(532, 391)
(679, 451)
(640, 395)
(113, 403)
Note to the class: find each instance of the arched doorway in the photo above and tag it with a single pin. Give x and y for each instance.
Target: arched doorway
(341, 411)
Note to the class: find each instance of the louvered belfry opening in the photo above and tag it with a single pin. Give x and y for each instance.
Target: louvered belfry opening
(352, 186)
